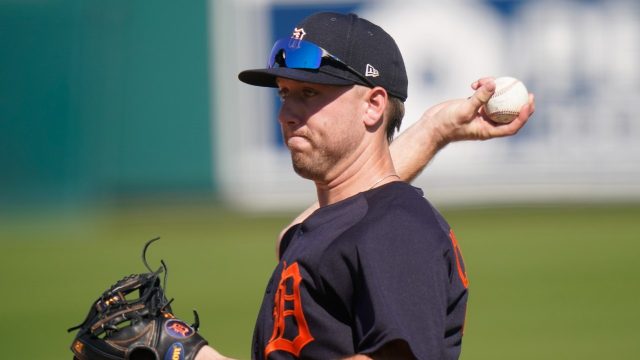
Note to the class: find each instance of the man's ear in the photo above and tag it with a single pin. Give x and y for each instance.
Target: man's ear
(377, 100)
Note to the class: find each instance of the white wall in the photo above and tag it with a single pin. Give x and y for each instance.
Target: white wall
(579, 58)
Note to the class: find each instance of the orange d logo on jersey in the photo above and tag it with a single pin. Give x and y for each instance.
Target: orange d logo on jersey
(287, 302)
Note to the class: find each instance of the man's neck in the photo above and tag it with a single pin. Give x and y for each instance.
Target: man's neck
(362, 175)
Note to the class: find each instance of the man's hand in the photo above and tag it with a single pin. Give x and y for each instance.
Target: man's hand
(457, 120)
(453, 120)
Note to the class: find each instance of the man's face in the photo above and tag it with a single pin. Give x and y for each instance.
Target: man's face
(321, 125)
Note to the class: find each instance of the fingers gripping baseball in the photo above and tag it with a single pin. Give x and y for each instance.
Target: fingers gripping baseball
(484, 89)
(465, 119)
(474, 123)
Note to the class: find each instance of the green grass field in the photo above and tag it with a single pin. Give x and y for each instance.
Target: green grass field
(555, 282)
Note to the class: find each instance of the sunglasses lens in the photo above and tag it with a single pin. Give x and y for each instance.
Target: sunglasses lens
(295, 54)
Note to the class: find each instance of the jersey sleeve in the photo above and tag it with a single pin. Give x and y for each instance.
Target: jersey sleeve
(402, 290)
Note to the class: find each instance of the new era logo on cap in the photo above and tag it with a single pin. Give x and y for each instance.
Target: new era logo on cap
(371, 71)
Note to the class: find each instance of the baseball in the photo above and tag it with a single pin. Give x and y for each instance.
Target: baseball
(505, 104)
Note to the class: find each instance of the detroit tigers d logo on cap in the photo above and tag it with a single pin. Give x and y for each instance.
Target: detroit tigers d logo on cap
(298, 33)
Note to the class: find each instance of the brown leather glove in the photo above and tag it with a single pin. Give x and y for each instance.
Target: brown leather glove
(121, 325)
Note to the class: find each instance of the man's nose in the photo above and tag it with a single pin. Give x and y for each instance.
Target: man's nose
(290, 113)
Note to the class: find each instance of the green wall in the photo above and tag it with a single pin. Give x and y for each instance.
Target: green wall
(102, 99)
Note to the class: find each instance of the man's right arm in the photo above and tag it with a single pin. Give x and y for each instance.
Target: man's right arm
(450, 121)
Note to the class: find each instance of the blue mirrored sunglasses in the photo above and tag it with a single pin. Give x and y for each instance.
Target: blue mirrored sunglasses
(300, 54)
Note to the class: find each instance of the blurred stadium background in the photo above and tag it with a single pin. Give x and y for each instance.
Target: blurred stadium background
(123, 120)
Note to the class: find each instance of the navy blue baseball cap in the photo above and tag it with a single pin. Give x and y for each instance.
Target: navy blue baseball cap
(335, 49)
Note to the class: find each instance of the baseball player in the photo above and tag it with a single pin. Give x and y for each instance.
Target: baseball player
(372, 270)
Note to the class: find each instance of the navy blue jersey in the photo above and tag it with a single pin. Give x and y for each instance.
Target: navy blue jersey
(379, 266)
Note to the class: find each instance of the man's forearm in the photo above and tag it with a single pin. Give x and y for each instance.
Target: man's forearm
(413, 149)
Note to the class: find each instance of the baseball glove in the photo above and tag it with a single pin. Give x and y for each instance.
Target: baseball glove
(123, 324)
